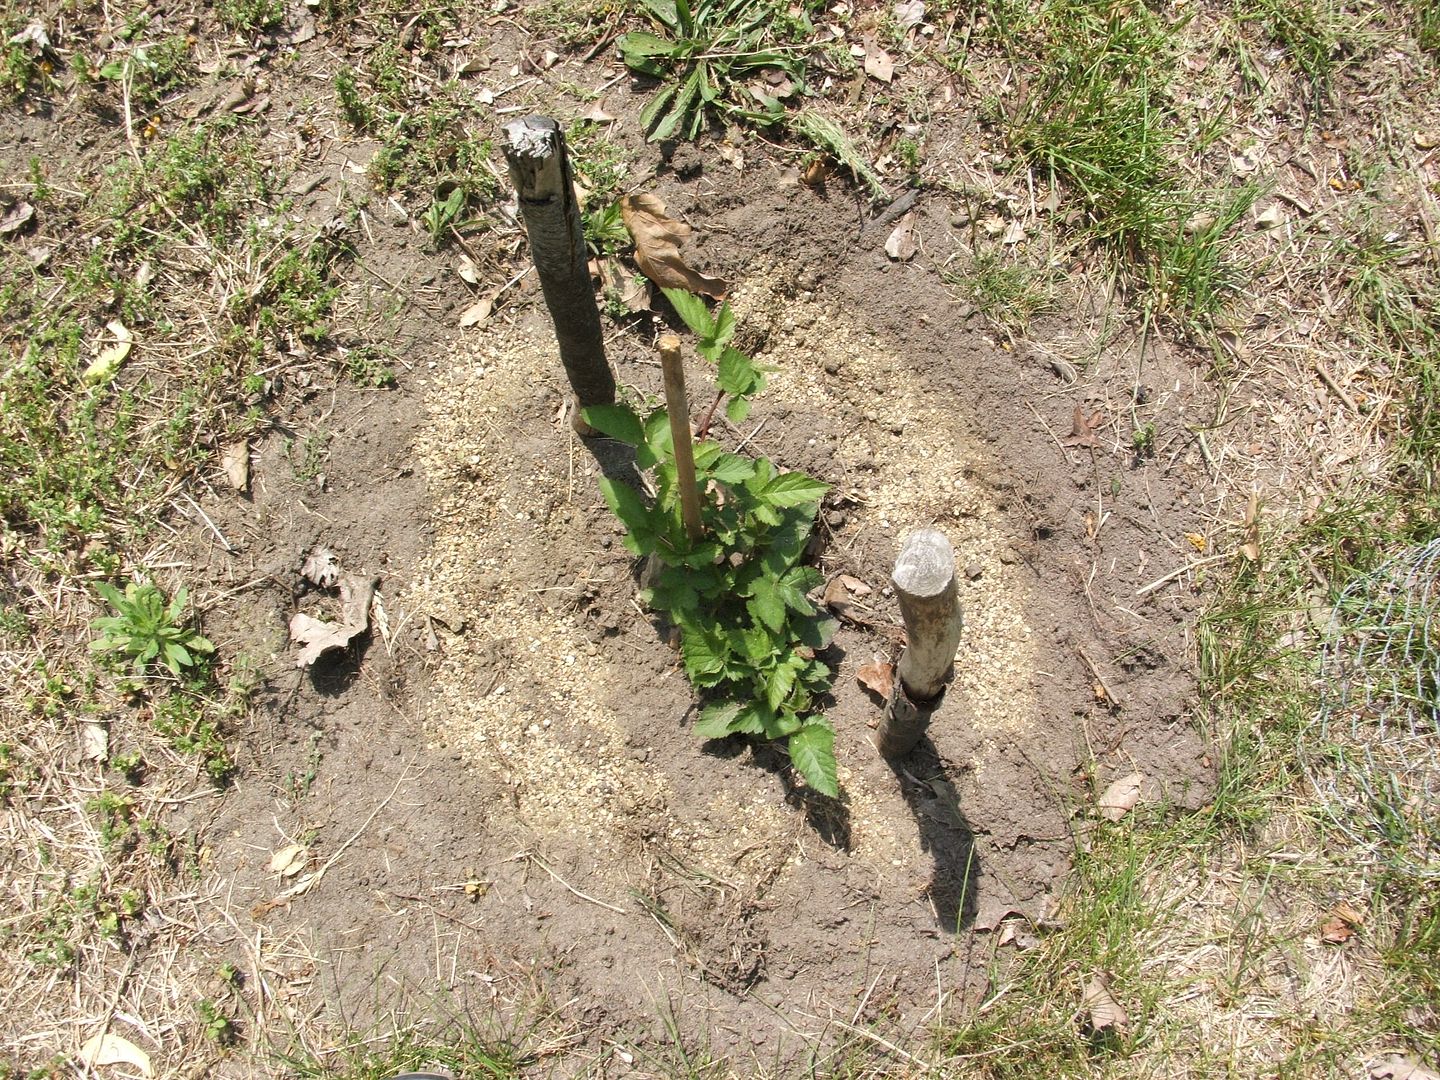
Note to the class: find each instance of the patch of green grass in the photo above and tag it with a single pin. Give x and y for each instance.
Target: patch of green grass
(459, 1049)
(252, 15)
(1316, 36)
(1005, 290)
(1098, 116)
(1426, 16)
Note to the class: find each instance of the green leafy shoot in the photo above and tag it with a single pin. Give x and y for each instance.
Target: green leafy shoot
(710, 57)
(737, 375)
(748, 630)
(145, 630)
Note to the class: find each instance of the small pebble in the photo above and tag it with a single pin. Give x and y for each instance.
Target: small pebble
(973, 571)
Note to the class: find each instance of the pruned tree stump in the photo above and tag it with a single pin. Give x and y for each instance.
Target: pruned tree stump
(925, 585)
(540, 170)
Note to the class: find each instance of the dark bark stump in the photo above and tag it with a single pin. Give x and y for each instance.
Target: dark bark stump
(540, 170)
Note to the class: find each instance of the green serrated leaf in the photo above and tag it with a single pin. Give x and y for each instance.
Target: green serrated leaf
(702, 654)
(780, 683)
(724, 325)
(736, 372)
(625, 503)
(766, 604)
(716, 719)
(737, 409)
(658, 438)
(691, 309)
(732, 469)
(812, 749)
(617, 421)
(794, 489)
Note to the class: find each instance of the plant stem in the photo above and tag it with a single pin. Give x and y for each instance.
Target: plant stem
(678, 407)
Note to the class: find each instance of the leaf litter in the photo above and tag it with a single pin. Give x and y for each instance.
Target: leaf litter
(315, 636)
(1104, 1015)
(658, 239)
(1120, 797)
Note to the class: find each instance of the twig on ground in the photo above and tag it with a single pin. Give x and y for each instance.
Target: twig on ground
(561, 881)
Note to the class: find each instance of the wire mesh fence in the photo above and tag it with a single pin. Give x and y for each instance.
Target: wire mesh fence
(1373, 749)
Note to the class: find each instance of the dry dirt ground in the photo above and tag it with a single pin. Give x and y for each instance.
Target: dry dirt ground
(499, 790)
(520, 738)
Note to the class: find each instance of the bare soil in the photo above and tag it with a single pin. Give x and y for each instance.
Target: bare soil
(503, 790)
(540, 806)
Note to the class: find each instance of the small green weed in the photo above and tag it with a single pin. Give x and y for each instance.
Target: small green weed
(443, 214)
(371, 366)
(353, 105)
(219, 1027)
(748, 633)
(253, 15)
(707, 55)
(146, 630)
(184, 720)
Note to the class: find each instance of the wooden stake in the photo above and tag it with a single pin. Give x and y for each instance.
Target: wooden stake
(924, 580)
(678, 407)
(540, 170)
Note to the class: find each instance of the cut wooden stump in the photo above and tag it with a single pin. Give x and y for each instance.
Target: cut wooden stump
(540, 170)
(924, 581)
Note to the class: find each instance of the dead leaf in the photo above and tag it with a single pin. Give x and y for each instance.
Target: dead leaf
(909, 13)
(467, 271)
(1105, 1015)
(994, 910)
(878, 64)
(321, 569)
(878, 677)
(1250, 548)
(1426, 140)
(596, 114)
(658, 239)
(1120, 798)
(1014, 233)
(1340, 927)
(477, 312)
(16, 218)
(107, 1049)
(236, 462)
(1083, 427)
(289, 860)
(317, 637)
(815, 173)
(1272, 217)
(901, 243)
(104, 367)
(1396, 1067)
(94, 741)
(1336, 931)
(1347, 912)
(1197, 541)
(855, 585)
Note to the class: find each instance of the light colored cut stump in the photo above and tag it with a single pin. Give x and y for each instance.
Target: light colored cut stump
(540, 170)
(924, 581)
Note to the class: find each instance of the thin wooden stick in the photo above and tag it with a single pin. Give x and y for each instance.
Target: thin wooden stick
(679, 409)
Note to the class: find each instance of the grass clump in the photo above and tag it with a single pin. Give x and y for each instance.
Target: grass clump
(1098, 118)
